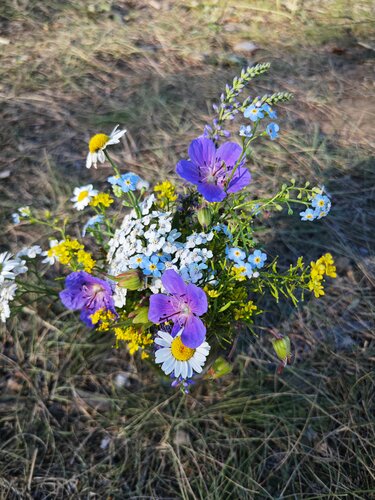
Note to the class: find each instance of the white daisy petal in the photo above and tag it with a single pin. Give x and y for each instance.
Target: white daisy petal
(169, 365)
(165, 336)
(101, 156)
(162, 342)
(177, 370)
(184, 369)
(162, 355)
(195, 365)
(89, 160)
(201, 358)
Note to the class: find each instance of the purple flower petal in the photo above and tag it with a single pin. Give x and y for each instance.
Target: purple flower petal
(161, 308)
(85, 292)
(173, 282)
(194, 332)
(240, 180)
(177, 327)
(197, 299)
(188, 171)
(229, 152)
(211, 192)
(72, 300)
(202, 151)
(85, 317)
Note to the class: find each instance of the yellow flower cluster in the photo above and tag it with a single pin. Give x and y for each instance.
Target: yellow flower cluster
(73, 253)
(238, 272)
(211, 292)
(167, 192)
(85, 260)
(135, 338)
(101, 200)
(103, 319)
(324, 266)
(246, 311)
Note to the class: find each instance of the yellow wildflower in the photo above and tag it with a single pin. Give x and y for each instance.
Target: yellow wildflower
(85, 258)
(211, 292)
(72, 253)
(238, 272)
(65, 250)
(101, 200)
(135, 338)
(327, 261)
(315, 285)
(245, 311)
(103, 318)
(317, 270)
(167, 192)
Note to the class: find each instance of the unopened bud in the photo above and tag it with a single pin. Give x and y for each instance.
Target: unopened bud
(130, 280)
(220, 368)
(282, 348)
(141, 316)
(204, 217)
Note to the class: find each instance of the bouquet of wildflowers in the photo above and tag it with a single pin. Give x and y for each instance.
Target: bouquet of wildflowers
(176, 273)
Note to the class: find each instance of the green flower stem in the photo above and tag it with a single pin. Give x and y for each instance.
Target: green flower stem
(114, 166)
(134, 204)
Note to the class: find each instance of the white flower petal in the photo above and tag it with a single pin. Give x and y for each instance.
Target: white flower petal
(184, 369)
(199, 357)
(169, 365)
(190, 369)
(89, 161)
(101, 156)
(195, 364)
(162, 342)
(177, 369)
(162, 355)
(166, 336)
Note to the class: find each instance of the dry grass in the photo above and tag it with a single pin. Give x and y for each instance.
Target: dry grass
(68, 429)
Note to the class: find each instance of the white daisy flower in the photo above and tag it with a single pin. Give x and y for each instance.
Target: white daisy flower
(30, 252)
(83, 195)
(48, 254)
(178, 359)
(9, 267)
(98, 143)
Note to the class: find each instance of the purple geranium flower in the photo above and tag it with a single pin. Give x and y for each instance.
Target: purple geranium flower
(183, 306)
(88, 294)
(210, 168)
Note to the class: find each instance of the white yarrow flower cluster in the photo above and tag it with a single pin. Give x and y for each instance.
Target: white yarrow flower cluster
(151, 245)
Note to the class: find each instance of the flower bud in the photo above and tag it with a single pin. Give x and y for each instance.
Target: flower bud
(204, 217)
(141, 315)
(282, 348)
(130, 280)
(220, 368)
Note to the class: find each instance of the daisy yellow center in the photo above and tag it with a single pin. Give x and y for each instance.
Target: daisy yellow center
(82, 195)
(180, 351)
(97, 142)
